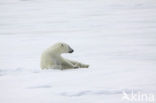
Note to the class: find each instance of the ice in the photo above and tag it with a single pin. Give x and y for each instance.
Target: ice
(117, 38)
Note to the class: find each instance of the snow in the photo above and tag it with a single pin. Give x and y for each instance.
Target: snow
(117, 38)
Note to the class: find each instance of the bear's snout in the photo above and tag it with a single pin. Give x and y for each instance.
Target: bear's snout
(71, 51)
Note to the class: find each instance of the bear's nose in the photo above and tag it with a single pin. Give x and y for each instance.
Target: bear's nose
(71, 51)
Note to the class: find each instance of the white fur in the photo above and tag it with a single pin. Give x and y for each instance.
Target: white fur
(51, 58)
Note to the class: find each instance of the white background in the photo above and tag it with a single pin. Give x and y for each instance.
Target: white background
(117, 38)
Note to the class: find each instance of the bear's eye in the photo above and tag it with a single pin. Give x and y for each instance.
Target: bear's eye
(61, 44)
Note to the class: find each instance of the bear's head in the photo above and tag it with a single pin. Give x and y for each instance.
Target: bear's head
(62, 48)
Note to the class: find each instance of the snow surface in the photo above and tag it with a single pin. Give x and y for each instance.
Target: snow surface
(117, 38)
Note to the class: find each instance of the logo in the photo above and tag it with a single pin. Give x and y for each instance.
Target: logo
(138, 97)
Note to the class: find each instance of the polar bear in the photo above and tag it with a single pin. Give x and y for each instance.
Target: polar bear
(51, 58)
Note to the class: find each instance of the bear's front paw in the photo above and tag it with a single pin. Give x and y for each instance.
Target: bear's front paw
(85, 66)
(76, 66)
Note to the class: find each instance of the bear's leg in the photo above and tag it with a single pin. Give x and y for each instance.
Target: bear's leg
(68, 65)
(78, 64)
